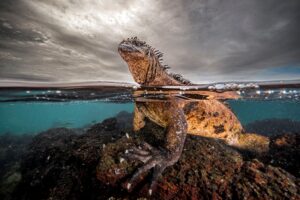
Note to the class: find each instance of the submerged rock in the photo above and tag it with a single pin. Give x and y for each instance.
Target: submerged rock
(284, 143)
(284, 152)
(61, 164)
(272, 127)
(12, 148)
(207, 169)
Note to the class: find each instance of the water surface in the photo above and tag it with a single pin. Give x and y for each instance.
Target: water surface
(32, 110)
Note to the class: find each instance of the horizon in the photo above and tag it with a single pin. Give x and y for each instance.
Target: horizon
(92, 84)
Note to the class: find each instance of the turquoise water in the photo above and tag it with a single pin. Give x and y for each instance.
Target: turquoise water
(249, 111)
(34, 117)
(33, 111)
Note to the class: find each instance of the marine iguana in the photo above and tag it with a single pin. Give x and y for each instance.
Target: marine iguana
(207, 118)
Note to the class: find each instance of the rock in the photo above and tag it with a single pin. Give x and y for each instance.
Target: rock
(124, 120)
(61, 164)
(284, 153)
(9, 181)
(271, 127)
(207, 169)
(196, 169)
(47, 168)
(12, 148)
(258, 181)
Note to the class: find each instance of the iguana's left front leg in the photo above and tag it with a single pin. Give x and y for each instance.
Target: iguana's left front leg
(160, 158)
(138, 119)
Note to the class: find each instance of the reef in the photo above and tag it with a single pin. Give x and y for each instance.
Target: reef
(63, 164)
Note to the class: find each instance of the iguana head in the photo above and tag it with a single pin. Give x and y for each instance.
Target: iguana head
(145, 65)
(139, 57)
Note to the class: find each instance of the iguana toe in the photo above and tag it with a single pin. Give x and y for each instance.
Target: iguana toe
(158, 159)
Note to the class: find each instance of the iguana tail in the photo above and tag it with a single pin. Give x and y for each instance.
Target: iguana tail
(252, 142)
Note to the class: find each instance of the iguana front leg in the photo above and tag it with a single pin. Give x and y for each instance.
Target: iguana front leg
(138, 119)
(160, 158)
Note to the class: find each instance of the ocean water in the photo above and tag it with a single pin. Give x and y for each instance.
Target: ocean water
(35, 117)
(33, 111)
(266, 109)
(30, 111)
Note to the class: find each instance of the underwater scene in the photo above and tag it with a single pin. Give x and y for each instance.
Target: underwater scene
(238, 141)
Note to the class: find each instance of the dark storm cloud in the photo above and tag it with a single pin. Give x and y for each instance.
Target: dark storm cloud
(215, 40)
(235, 36)
(33, 45)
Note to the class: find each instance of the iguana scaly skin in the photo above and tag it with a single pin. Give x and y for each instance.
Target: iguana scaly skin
(208, 118)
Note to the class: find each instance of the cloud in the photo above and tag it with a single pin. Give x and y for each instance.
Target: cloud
(216, 40)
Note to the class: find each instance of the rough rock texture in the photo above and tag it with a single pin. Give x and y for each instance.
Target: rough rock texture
(12, 148)
(208, 169)
(61, 164)
(285, 153)
(284, 144)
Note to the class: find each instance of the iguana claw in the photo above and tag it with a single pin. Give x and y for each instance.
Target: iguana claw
(158, 159)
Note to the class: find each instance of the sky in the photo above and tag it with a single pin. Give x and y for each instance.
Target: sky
(203, 40)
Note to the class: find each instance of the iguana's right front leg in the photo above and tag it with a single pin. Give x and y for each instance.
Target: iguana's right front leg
(162, 157)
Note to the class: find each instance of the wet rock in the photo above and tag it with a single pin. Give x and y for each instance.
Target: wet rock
(12, 148)
(124, 120)
(61, 164)
(47, 166)
(271, 127)
(284, 153)
(284, 143)
(197, 169)
(9, 181)
(258, 181)
(207, 169)
(107, 125)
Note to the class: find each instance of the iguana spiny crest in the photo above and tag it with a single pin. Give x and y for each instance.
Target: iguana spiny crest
(145, 64)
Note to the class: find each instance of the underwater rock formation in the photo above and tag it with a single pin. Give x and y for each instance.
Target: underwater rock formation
(12, 148)
(284, 152)
(271, 127)
(207, 169)
(62, 164)
(284, 144)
